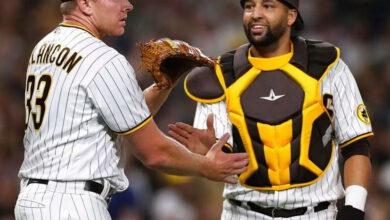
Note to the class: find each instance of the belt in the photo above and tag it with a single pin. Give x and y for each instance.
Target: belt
(277, 212)
(90, 185)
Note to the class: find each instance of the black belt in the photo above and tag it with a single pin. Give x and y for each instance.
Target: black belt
(277, 212)
(90, 185)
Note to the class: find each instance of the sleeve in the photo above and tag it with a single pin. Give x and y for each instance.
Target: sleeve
(351, 119)
(222, 123)
(115, 93)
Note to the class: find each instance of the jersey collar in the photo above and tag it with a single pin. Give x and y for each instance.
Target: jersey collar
(73, 25)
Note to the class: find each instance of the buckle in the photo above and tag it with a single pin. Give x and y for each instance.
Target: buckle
(245, 205)
(273, 212)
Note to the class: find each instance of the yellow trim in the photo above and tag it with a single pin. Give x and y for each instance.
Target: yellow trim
(197, 99)
(137, 127)
(290, 186)
(236, 113)
(239, 122)
(271, 63)
(277, 150)
(229, 147)
(309, 115)
(312, 108)
(68, 24)
(356, 139)
(308, 84)
(322, 78)
(367, 120)
(219, 73)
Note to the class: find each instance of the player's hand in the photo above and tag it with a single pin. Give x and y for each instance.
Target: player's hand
(224, 167)
(349, 212)
(196, 140)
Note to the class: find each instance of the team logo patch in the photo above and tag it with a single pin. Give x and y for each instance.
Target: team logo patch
(362, 114)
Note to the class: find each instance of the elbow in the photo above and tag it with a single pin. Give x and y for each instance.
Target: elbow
(157, 159)
(155, 162)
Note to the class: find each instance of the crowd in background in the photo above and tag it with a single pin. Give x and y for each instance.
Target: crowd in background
(361, 28)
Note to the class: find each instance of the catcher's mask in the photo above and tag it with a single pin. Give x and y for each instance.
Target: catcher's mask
(292, 4)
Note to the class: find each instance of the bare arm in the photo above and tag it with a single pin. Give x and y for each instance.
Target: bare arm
(159, 152)
(155, 97)
(357, 171)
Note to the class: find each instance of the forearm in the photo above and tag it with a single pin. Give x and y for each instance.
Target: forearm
(357, 171)
(174, 158)
(157, 151)
(155, 97)
(357, 174)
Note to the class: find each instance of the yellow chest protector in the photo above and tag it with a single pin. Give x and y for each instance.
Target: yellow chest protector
(277, 112)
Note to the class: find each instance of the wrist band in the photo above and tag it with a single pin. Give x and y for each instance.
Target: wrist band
(355, 196)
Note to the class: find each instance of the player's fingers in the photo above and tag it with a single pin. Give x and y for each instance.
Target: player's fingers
(178, 130)
(232, 179)
(177, 137)
(236, 157)
(221, 142)
(185, 127)
(240, 170)
(241, 163)
(239, 167)
(210, 122)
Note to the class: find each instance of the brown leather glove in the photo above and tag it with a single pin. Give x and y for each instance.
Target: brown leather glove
(167, 60)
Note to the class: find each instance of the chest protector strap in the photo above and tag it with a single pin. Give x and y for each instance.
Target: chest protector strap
(278, 115)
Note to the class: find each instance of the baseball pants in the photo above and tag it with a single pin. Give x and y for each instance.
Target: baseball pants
(232, 212)
(60, 200)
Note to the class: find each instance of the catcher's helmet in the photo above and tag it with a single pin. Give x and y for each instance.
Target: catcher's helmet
(298, 25)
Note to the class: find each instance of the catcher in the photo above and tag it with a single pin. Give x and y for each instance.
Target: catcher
(292, 104)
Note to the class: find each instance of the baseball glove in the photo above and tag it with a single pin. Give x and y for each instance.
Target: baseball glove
(167, 60)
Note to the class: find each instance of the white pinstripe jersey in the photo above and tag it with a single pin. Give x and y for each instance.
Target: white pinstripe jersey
(347, 126)
(80, 93)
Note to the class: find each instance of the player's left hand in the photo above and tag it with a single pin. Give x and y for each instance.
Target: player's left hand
(192, 137)
(348, 212)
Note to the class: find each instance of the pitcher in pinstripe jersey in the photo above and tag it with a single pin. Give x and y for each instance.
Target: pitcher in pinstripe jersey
(292, 104)
(82, 102)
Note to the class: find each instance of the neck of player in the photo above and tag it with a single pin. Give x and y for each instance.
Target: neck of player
(82, 23)
(280, 47)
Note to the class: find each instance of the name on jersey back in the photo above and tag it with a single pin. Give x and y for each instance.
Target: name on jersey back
(63, 57)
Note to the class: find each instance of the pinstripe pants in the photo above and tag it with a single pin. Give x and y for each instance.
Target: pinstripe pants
(59, 200)
(231, 212)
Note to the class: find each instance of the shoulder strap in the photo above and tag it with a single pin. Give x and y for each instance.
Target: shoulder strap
(235, 63)
(313, 57)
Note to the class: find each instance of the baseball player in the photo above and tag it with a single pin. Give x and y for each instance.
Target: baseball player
(292, 104)
(82, 101)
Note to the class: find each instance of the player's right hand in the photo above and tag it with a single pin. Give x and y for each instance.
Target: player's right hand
(196, 140)
(222, 166)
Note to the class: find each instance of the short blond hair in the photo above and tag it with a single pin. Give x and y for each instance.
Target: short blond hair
(67, 7)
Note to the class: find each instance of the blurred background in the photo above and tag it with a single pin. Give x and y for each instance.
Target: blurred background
(361, 28)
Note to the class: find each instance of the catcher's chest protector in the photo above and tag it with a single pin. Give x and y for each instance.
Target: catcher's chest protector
(278, 114)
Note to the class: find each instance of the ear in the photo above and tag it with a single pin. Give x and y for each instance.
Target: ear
(85, 6)
(292, 16)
